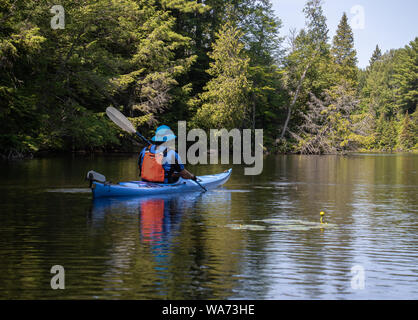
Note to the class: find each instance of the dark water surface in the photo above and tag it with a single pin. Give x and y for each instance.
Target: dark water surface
(256, 238)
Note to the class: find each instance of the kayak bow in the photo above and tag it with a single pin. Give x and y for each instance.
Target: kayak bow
(141, 188)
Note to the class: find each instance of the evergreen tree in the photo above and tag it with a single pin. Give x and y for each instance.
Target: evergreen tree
(264, 47)
(405, 79)
(376, 56)
(261, 30)
(389, 93)
(408, 134)
(344, 54)
(224, 101)
(144, 88)
(316, 25)
(389, 136)
(386, 133)
(378, 92)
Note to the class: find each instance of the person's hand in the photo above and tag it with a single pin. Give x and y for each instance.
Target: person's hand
(194, 178)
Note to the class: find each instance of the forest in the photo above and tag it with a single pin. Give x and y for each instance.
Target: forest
(213, 63)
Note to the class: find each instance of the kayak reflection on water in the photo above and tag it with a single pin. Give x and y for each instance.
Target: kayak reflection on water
(159, 216)
(152, 213)
(146, 230)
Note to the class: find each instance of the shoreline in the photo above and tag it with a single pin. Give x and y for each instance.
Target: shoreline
(52, 154)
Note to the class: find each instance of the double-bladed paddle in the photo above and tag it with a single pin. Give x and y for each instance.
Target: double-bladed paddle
(122, 122)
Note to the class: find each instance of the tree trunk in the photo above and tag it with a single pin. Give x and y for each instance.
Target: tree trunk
(289, 111)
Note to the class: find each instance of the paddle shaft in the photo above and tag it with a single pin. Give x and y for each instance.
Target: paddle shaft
(200, 185)
(143, 138)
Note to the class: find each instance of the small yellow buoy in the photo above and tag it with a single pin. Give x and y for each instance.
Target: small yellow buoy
(322, 218)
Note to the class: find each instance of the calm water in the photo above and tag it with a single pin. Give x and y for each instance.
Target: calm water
(255, 238)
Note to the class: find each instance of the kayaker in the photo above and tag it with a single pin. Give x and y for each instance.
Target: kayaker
(158, 163)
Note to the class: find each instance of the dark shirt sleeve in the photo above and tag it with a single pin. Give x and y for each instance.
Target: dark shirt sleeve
(178, 166)
(140, 158)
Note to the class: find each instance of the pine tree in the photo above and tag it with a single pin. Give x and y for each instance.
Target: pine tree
(264, 48)
(405, 79)
(224, 103)
(344, 54)
(377, 55)
(386, 134)
(316, 25)
(407, 134)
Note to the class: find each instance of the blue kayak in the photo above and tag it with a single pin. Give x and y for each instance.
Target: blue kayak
(141, 188)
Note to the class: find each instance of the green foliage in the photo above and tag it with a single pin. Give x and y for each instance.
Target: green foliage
(307, 65)
(377, 54)
(386, 132)
(224, 101)
(316, 24)
(388, 92)
(414, 129)
(344, 54)
(90, 131)
(267, 97)
(378, 90)
(405, 79)
(214, 63)
(408, 133)
(53, 82)
(329, 126)
(20, 45)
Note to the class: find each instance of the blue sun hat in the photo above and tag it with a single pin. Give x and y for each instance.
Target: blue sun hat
(163, 134)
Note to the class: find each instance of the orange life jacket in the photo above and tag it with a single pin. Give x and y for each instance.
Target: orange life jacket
(152, 168)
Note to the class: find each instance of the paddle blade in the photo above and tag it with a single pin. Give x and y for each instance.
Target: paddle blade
(95, 176)
(120, 120)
